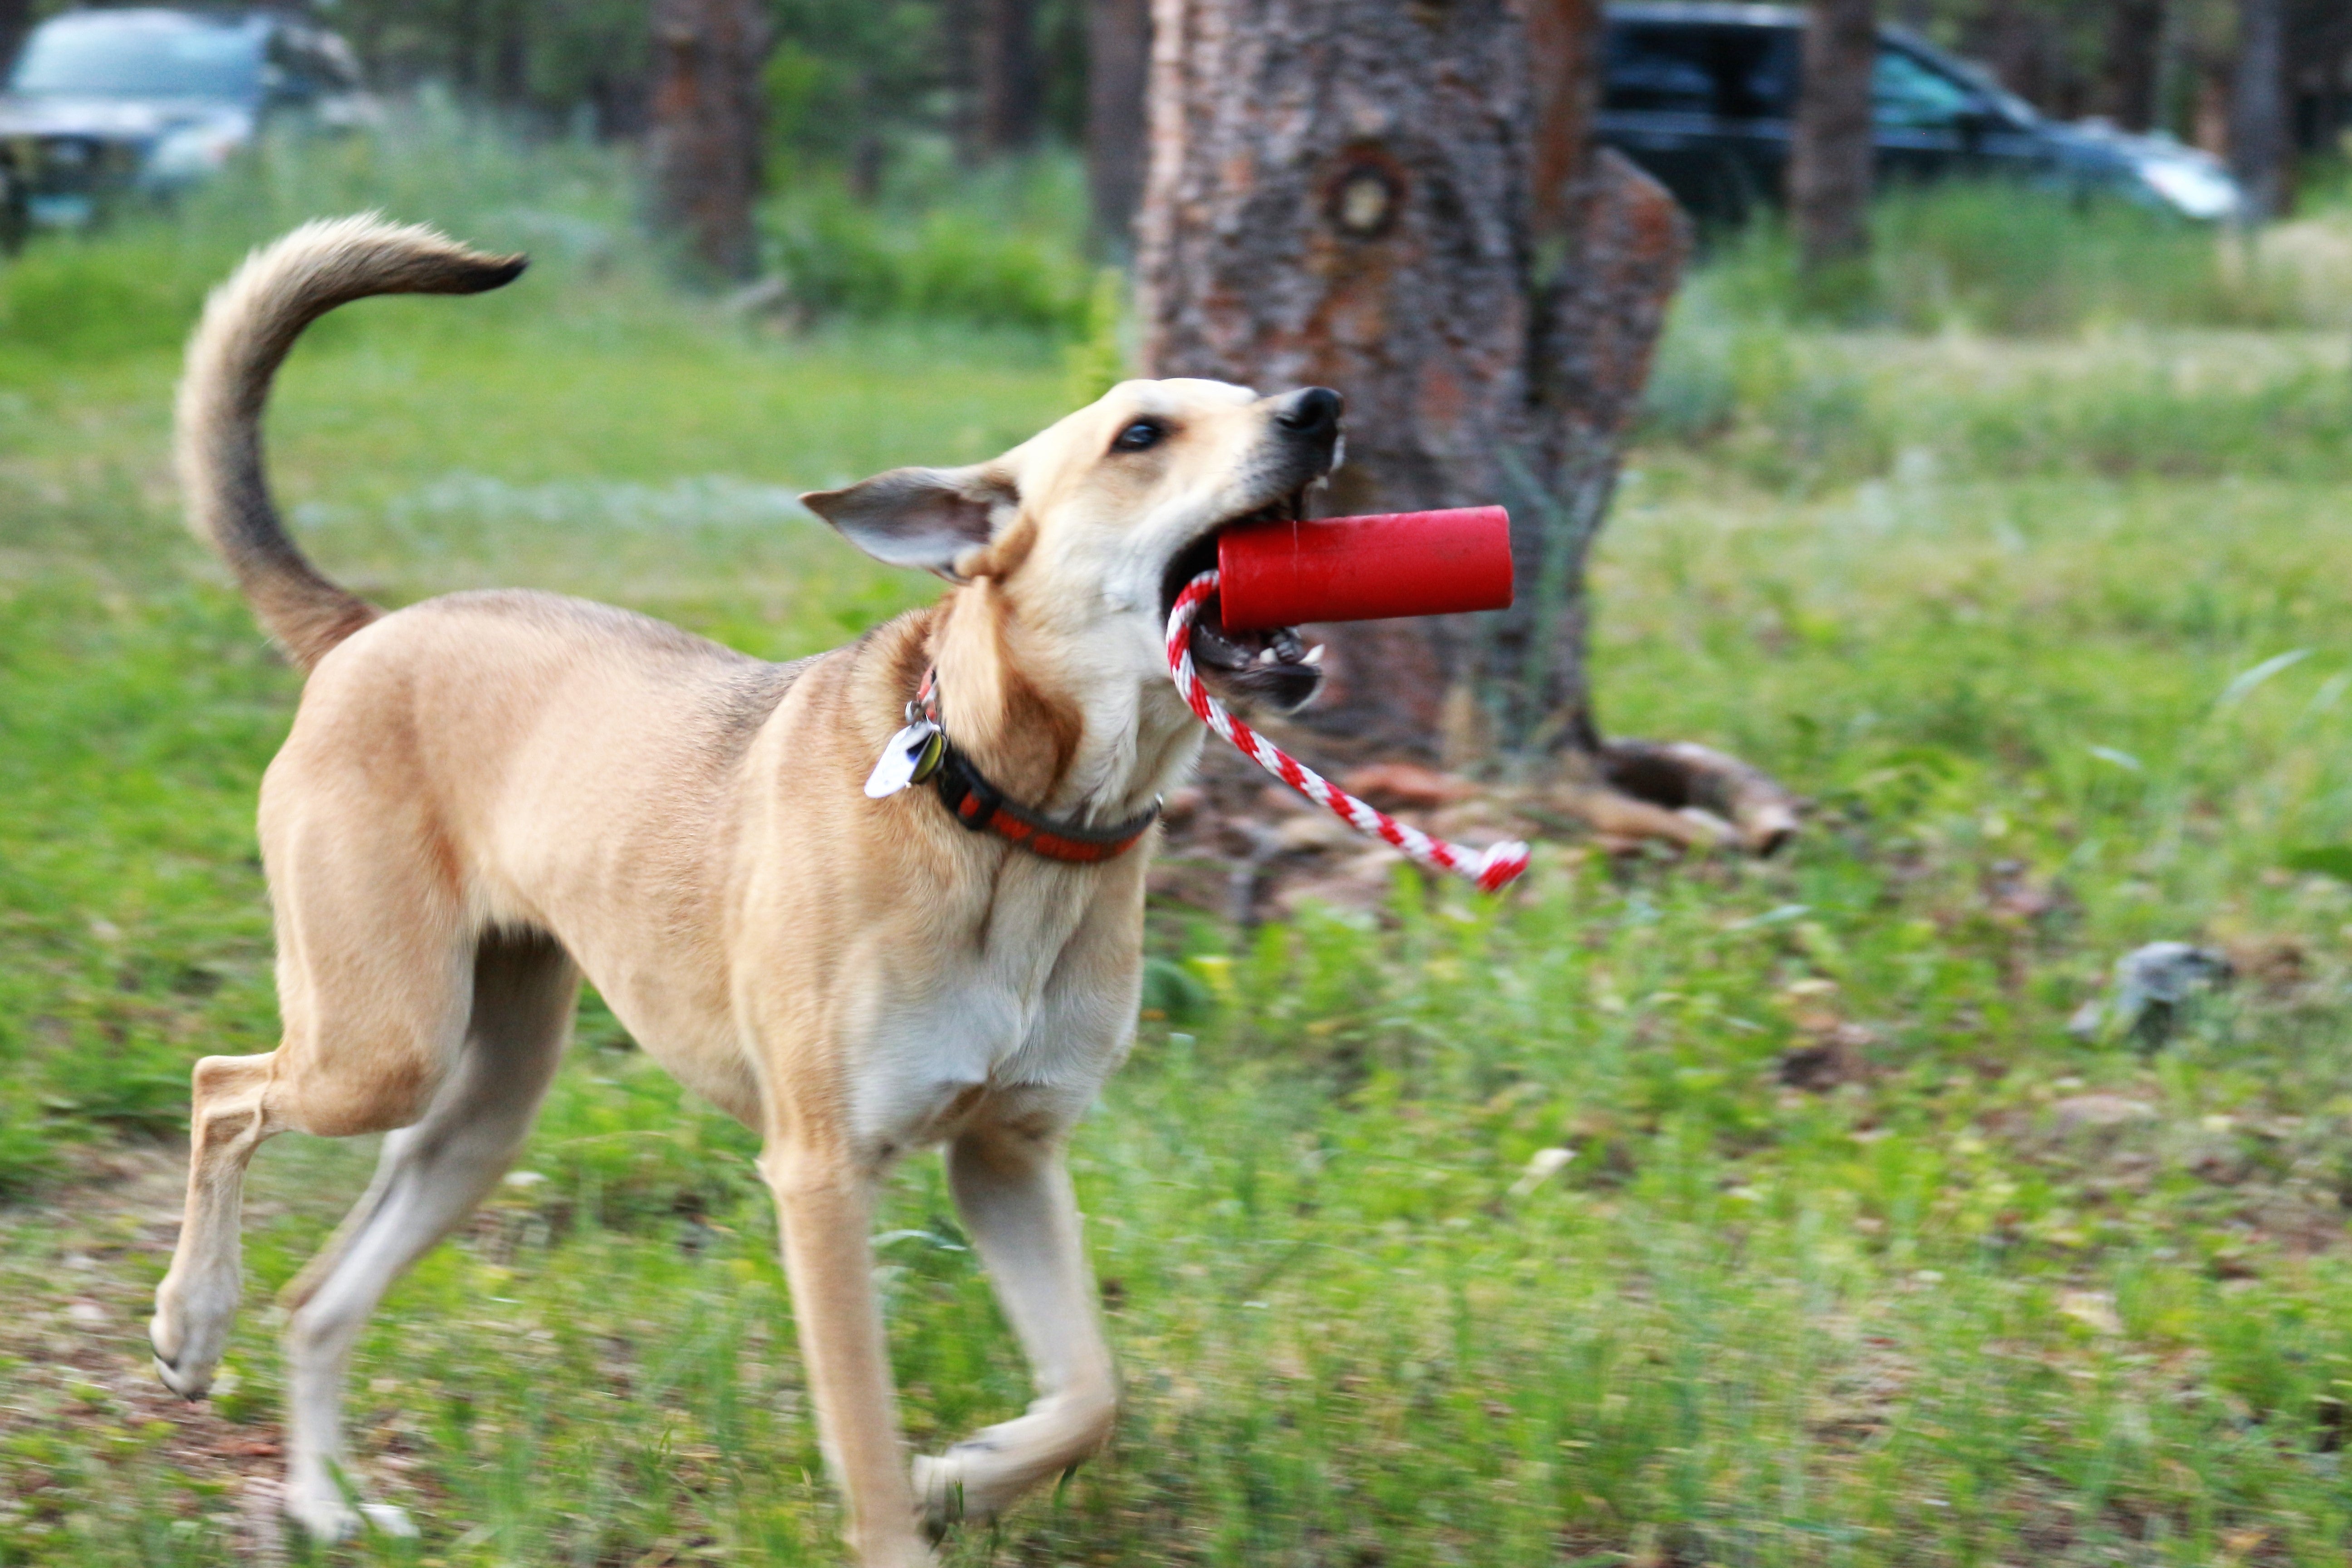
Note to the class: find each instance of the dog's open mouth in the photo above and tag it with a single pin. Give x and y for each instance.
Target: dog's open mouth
(1274, 666)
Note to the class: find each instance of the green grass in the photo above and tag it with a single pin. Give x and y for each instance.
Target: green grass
(1996, 605)
(1998, 257)
(1792, 409)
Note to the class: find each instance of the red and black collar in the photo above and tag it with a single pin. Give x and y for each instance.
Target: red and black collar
(980, 807)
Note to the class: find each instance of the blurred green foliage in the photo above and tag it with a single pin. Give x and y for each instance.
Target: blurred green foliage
(1001, 246)
(852, 84)
(998, 248)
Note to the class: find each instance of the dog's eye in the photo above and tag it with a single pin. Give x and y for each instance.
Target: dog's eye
(1139, 436)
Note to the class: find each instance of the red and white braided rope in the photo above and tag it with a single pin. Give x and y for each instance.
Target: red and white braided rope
(1491, 868)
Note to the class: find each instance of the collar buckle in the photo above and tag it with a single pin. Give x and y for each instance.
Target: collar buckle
(979, 806)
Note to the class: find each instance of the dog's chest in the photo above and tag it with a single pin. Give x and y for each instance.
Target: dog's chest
(1040, 1010)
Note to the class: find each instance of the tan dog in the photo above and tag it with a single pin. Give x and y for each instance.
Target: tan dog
(485, 796)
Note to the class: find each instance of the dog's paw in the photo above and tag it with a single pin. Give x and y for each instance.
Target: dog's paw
(939, 1492)
(932, 1491)
(327, 1519)
(190, 1386)
(190, 1330)
(386, 1520)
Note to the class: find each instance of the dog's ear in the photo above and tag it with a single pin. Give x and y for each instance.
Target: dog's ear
(918, 517)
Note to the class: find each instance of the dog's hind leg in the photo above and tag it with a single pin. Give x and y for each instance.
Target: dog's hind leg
(430, 1177)
(373, 980)
(1015, 1199)
(195, 1304)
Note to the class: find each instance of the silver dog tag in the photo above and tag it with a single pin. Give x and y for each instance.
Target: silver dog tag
(903, 754)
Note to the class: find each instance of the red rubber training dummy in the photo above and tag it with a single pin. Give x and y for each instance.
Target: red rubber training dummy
(1281, 573)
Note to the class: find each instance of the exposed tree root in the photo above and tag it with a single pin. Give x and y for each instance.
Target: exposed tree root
(1248, 847)
(1678, 777)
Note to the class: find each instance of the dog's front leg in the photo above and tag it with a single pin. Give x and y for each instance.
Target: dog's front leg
(826, 1203)
(1015, 1199)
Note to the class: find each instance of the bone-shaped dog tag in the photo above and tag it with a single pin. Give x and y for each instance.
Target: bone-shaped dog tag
(903, 754)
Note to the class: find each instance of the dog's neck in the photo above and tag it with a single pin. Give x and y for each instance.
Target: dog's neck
(1064, 724)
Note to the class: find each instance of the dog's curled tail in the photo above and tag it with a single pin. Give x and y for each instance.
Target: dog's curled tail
(248, 325)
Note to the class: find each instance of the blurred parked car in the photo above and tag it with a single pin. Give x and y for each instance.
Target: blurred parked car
(1702, 95)
(102, 104)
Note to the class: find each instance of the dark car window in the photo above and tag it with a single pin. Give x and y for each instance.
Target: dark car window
(332, 64)
(1764, 81)
(140, 57)
(306, 65)
(1659, 69)
(1910, 94)
(1733, 72)
(288, 72)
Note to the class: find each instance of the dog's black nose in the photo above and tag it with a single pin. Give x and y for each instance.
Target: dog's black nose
(1312, 411)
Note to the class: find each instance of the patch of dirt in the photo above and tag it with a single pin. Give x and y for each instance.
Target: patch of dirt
(78, 1267)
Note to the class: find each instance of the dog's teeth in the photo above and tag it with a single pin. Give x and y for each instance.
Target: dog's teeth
(1266, 656)
(1315, 654)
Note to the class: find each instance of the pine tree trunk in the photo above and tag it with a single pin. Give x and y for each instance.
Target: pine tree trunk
(704, 148)
(2006, 36)
(15, 20)
(2135, 46)
(2261, 138)
(510, 56)
(1119, 67)
(466, 50)
(1008, 77)
(1399, 200)
(1831, 150)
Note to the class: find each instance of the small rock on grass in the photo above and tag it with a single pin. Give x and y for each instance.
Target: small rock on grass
(2153, 988)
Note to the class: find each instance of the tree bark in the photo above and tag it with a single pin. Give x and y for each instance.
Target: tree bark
(1831, 150)
(1008, 78)
(2135, 45)
(2010, 38)
(1563, 42)
(466, 49)
(510, 56)
(1339, 195)
(2261, 138)
(704, 150)
(1118, 68)
(2323, 44)
(15, 20)
(1399, 200)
